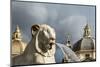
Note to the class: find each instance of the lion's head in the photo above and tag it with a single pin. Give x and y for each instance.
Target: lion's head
(44, 39)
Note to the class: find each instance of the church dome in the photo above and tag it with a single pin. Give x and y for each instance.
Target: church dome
(85, 43)
(18, 46)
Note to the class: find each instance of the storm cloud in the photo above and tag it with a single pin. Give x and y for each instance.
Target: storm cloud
(64, 18)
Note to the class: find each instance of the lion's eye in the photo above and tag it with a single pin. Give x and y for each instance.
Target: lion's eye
(51, 43)
(52, 38)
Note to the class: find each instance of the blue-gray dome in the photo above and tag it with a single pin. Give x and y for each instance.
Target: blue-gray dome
(86, 43)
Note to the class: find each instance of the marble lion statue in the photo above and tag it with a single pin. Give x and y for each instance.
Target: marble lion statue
(41, 49)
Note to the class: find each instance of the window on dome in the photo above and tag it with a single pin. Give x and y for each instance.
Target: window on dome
(87, 56)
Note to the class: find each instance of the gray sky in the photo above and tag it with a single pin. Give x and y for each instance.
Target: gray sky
(64, 18)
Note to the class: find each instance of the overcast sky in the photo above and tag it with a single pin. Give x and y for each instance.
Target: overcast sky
(65, 19)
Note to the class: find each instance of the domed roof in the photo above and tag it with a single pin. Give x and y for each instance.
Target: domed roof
(85, 43)
(18, 46)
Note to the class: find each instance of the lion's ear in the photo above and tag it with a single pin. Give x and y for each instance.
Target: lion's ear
(35, 29)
